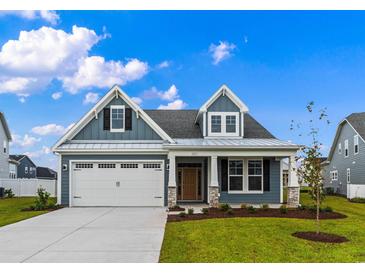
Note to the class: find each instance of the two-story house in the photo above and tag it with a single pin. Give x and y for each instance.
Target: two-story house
(345, 165)
(121, 155)
(5, 138)
(25, 167)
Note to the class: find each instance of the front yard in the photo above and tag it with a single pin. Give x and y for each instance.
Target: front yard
(266, 239)
(10, 210)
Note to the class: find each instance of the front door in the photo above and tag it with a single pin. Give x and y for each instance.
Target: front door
(189, 184)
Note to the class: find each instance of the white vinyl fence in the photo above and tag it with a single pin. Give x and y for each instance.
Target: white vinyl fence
(28, 187)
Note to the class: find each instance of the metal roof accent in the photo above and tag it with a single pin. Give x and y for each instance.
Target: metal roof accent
(108, 146)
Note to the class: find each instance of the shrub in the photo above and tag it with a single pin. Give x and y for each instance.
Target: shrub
(251, 209)
(357, 200)
(182, 214)
(229, 211)
(205, 210)
(190, 211)
(8, 193)
(243, 206)
(176, 207)
(265, 207)
(224, 207)
(312, 208)
(328, 209)
(329, 191)
(41, 202)
(52, 204)
(283, 209)
(302, 207)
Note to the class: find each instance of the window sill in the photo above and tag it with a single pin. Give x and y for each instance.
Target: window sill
(117, 130)
(245, 192)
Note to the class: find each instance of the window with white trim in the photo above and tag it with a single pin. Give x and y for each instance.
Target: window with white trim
(26, 170)
(339, 148)
(346, 148)
(356, 144)
(235, 175)
(255, 181)
(117, 118)
(223, 124)
(334, 175)
(5, 146)
(348, 176)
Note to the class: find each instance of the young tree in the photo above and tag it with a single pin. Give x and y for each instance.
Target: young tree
(310, 156)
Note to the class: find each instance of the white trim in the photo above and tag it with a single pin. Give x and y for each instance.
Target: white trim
(204, 124)
(223, 132)
(356, 143)
(59, 180)
(71, 162)
(334, 175)
(242, 176)
(281, 181)
(112, 107)
(242, 124)
(346, 150)
(99, 107)
(339, 148)
(348, 175)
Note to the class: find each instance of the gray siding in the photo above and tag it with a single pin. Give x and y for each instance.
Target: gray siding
(66, 160)
(201, 123)
(340, 163)
(25, 162)
(4, 164)
(95, 129)
(272, 196)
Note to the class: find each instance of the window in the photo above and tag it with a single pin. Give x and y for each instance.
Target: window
(223, 124)
(231, 123)
(83, 165)
(339, 148)
(216, 123)
(128, 165)
(30, 170)
(356, 144)
(5, 146)
(117, 118)
(26, 170)
(348, 176)
(346, 148)
(334, 175)
(151, 165)
(235, 175)
(254, 175)
(106, 165)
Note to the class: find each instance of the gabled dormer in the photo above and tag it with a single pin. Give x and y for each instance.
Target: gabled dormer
(222, 115)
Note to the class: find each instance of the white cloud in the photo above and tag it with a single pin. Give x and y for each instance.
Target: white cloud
(38, 153)
(51, 129)
(137, 100)
(56, 95)
(22, 100)
(94, 71)
(168, 95)
(91, 98)
(164, 64)
(47, 15)
(177, 104)
(25, 141)
(221, 52)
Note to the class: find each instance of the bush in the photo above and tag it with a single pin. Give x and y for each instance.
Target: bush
(265, 207)
(190, 211)
(224, 207)
(357, 200)
(8, 193)
(329, 191)
(302, 207)
(312, 208)
(251, 209)
(229, 211)
(283, 209)
(243, 206)
(52, 204)
(41, 202)
(328, 209)
(205, 210)
(182, 214)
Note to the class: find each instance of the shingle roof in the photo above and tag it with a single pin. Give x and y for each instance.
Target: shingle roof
(181, 124)
(45, 172)
(357, 120)
(17, 157)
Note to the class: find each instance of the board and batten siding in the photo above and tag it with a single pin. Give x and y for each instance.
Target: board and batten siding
(4, 157)
(65, 175)
(94, 130)
(26, 163)
(339, 162)
(268, 197)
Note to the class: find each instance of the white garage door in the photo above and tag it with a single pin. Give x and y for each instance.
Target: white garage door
(117, 184)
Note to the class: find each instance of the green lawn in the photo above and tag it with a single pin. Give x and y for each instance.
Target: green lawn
(266, 239)
(10, 210)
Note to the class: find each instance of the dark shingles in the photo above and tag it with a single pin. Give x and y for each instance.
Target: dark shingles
(16, 157)
(45, 172)
(181, 124)
(357, 120)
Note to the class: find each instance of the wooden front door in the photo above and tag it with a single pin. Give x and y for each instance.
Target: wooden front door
(190, 184)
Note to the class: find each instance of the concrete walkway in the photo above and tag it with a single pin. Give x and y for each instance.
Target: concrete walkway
(117, 235)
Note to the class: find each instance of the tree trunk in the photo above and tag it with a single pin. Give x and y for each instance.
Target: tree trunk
(318, 205)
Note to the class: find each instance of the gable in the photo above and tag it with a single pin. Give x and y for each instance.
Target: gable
(4, 126)
(94, 130)
(223, 103)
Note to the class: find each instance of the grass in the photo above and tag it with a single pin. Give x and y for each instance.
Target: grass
(266, 239)
(10, 210)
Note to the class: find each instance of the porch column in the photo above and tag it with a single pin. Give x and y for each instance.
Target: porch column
(171, 195)
(293, 184)
(213, 184)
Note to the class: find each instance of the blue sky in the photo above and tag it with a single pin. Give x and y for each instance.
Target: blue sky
(275, 62)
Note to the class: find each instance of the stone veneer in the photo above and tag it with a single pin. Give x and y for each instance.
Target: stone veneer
(171, 196)
(213, 196)
(293, 196)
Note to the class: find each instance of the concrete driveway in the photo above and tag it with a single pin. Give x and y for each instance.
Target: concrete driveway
(118, 235)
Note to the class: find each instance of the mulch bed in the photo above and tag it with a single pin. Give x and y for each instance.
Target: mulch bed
(237, 212)
(47, 209)
(174, 209)
(320, 237)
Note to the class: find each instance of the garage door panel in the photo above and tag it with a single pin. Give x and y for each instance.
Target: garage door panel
(118, 184)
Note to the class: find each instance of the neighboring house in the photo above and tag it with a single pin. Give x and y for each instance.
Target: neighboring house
(5, 138)
(345, 165)
(121, 155)
(26, 168)
(285, 173)
(13, 168)
(46, 173)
